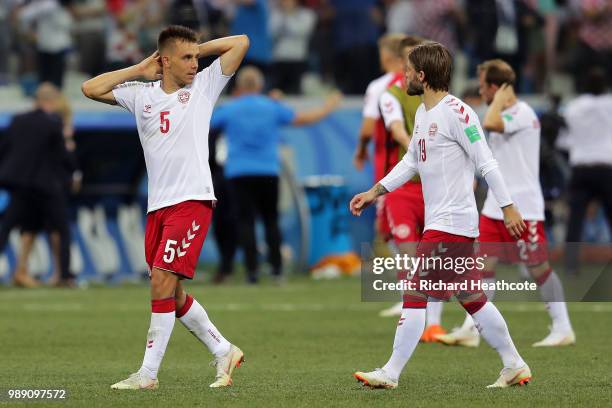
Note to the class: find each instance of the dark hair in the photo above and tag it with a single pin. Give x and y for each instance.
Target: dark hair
(176, 33)
(595, 81)
(435, 61)
(497, 72)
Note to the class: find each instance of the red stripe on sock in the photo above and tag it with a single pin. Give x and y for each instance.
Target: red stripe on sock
(183, 310)
(544, 277)
(414, 302)
(163, 305)
(476, 305)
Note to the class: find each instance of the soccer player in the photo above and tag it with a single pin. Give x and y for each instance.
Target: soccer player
(403, 210)
(172, 115)
(515, 142)
(446, 146)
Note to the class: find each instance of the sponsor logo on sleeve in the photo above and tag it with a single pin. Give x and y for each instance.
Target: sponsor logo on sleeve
(472, 133)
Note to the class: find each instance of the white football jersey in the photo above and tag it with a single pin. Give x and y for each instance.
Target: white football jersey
(447, 145)
(517, 150)
(589, 135)
(391, 109)
(173, 130)
(372, 96)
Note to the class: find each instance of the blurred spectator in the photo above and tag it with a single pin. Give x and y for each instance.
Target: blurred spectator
(500, 31)
(123, 25)
(291, 27)
(401, 16)
(252, 18)
(589, 122)
(225, 228)
(595, 39)
(182, 12)
(322, 55)
(52, 22)
(33, 158)
(251, 125)
(356, 30)
(89, 35)
(439, 21)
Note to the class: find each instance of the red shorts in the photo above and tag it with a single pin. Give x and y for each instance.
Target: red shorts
(174, 236)
(496, 241)
(401, 216)
(447, 248)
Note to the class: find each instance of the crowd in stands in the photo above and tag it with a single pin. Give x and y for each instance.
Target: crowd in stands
(333, 39)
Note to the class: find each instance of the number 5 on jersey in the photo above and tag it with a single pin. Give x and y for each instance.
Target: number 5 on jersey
(164, 122)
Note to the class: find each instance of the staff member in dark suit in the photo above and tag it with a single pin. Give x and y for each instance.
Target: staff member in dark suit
(33, 157)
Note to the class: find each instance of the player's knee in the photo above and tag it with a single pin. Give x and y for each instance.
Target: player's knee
(538, 270)
(163, 282)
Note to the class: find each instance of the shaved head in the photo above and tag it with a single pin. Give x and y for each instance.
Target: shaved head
(250, 79)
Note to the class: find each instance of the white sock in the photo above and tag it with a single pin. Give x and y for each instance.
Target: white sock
(468, 323)
(489, 293)
(197, 322)
(158, 336)
(434, 312)
(551, 292)
(493, 328)
(407, 335)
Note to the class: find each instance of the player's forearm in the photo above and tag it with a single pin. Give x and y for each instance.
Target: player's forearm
(399, 175)
(493, 118)
(498, 187)
(220, 46)
(104, 83)
(399, 134)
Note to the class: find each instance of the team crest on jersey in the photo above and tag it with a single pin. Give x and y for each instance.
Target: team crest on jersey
(433, 129)
(147, 109)
(183, 96)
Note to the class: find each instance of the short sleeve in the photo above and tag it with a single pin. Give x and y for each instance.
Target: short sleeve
(212, 80)
(370, 103)
(391, 109)
(517, 119)
(285, 114)
(125, 94)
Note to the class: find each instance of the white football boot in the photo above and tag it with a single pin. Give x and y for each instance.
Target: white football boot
(136, 381)
(557, 338)
(376, 379)
(225, 367)
(512, 376)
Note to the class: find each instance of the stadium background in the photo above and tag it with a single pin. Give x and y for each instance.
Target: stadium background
(547, 56)
(50, 331)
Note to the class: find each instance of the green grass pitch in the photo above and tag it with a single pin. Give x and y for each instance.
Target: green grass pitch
(302, 342)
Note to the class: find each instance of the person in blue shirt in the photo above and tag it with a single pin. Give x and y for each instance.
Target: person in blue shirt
(252, 18)
(251, 124)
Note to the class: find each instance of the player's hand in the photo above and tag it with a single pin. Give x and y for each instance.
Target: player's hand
(504, 94)
(360, 158)
(513, 221)
(332, 102)
(151, 67)
(361, 201)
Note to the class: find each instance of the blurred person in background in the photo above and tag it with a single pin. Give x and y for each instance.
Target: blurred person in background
(252, 17)
(251, 123)
(122, 31)
(356, 27)
(89, 35)
(52, 22)
(225, 228)
(291, 27)
(594, 39)
(589, 123)
(33, 159)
